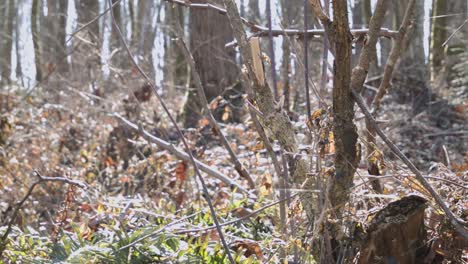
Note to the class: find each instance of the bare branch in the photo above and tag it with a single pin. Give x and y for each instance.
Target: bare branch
(262, 31)
(359, 72)
(394, 55)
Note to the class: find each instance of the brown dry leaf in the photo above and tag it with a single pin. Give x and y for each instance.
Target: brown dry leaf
(125, 179)
(215, 102)
(413, 184)
(251, 248)
(180, 198)
(226, 114)
(376, 163)
(241, 212)
(203, 122)
(314, 119)
(181, 172)
(258, 146)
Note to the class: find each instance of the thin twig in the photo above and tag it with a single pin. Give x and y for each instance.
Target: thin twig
(453, 34)
(187, 148)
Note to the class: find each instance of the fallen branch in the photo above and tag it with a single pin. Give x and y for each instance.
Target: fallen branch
(179, 153)
(19, 205)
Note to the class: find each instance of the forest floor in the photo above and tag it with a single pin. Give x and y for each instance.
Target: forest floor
(138, 193)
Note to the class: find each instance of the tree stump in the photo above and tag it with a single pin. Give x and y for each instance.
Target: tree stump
(396, 234)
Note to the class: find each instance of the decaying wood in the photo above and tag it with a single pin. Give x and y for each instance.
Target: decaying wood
(396, 234)
(257, 60)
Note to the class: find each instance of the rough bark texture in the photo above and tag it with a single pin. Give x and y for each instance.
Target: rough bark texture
(120, 59)
(35, 11)
(410, 84)
(396, 234)
(291, 18)
(209, 32)
(253, 13)
(275, 119)
(7, 43)
(438, 36)
(344, 129)
(86, 58)
(175, 68)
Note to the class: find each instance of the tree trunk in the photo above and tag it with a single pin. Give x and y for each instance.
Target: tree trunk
(410, 84)
(7, 44)
(253, 14)
(209, 32)
(344, 129)
(455, 66)
(396, 234)
(61, 48)
(438, 36)
(19, 69)
(86, 58)
(35, 15)
(120, 59)
(175, 69)
(290, 11)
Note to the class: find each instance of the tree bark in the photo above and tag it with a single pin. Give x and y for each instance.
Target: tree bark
(290, 12)
(6, 48)
(396, 234)
(209, 32)
(35, 15)
(86, 58)
(344, 130)
(175, 69)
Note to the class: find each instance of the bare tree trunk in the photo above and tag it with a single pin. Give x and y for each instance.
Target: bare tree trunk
(19, 69)
(175, 69)
(289, 10)
(438, 36)
(35, 15)
(149, 32)
(457, 45)
(413, 62)
(120, 59)
(344, 130)
(254, 12)
(61, 51)
(86, 58)
(209, 32)
(6, 48)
